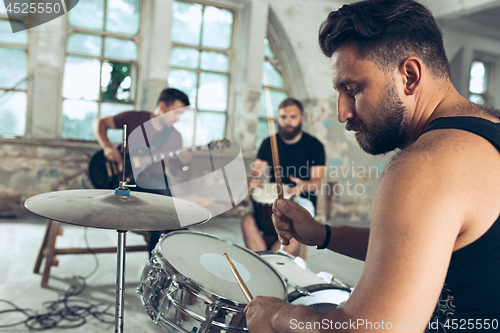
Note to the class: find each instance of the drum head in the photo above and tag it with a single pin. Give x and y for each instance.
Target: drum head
(199, 257)
(322, 297)
(292, 270)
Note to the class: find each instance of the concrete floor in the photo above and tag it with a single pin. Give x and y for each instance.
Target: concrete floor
(20, 240)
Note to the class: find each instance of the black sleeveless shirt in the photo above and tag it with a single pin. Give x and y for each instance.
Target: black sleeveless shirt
(470, 299)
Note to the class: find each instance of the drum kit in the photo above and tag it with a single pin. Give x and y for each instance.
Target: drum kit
(187, 285)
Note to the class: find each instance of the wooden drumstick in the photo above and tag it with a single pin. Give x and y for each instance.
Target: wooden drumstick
(274, 147)
(274, 142)
(238, 278)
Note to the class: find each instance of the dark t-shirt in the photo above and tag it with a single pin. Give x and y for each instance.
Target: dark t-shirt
(169, 139)
(163, 141)
(295, 160)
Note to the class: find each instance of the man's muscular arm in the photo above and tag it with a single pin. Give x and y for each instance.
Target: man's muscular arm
(101, 127)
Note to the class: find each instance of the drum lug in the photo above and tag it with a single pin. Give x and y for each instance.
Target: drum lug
(302, 291)
(214, 310)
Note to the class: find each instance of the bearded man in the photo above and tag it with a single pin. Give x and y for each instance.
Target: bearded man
(435, 225)
(302, 160)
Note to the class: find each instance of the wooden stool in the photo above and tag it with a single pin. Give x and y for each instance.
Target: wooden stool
(48, 250)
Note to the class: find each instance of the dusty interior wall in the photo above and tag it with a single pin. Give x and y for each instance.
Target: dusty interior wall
(31, 168)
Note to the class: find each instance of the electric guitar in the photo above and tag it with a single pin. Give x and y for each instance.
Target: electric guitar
(105, 174)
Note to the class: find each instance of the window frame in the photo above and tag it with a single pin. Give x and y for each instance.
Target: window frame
(29, 84)
(231, 54)
(280, 64)
(134, 64)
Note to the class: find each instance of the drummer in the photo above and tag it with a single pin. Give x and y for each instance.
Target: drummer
(302, 160)
(432, 251)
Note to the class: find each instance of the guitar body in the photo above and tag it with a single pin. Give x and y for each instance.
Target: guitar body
(107, 175)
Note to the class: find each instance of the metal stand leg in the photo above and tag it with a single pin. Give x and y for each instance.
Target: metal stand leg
(120, 281)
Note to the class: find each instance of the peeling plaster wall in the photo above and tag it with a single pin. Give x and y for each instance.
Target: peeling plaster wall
(27, 169)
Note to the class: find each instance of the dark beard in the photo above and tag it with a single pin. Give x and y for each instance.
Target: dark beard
(387, 131)
(289, 135)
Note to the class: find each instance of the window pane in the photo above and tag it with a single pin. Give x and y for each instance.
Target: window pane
(88, 14)
(111, 109)
(214, 127)
(186, 24)
(123, 16)
(77, 119)
(274, 78)
(267, 49)
(478, 99)
(214, 61)
(7, 36)
(477, 85)
(85, 44)
(120, 48)
(217, 27)
(116, 81)
(81, 78)
(13, 68)
(185, 81)
(13, 113)
(263, 131)
(477, 69)
(212, 94)
(185, 126)
(276, 98)
(184, 57)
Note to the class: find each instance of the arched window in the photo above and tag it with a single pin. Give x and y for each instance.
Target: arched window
(479, 82)
(277, 89)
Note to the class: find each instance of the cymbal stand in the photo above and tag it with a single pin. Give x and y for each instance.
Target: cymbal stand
(122, 189)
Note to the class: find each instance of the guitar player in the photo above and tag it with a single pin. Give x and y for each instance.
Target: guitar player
(170, 106)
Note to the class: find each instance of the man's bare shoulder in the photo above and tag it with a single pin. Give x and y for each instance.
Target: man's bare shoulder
(447, 148)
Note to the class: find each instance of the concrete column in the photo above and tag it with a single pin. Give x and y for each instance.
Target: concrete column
(46, 63)
(156, 52)
(250, 56)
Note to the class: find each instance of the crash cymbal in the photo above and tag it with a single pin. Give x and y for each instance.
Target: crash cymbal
(104, 209)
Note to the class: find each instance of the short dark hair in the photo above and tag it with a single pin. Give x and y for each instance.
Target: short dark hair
(291, 101)
(387, 32)
(170, 95)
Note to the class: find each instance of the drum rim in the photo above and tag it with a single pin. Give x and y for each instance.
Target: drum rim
(313, 288)
(195, 287)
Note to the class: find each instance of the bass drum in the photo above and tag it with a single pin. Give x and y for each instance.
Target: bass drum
(187, 285)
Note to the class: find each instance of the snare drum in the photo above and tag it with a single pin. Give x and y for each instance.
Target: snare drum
(304, 286)
(262, 200)
(187, 285)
